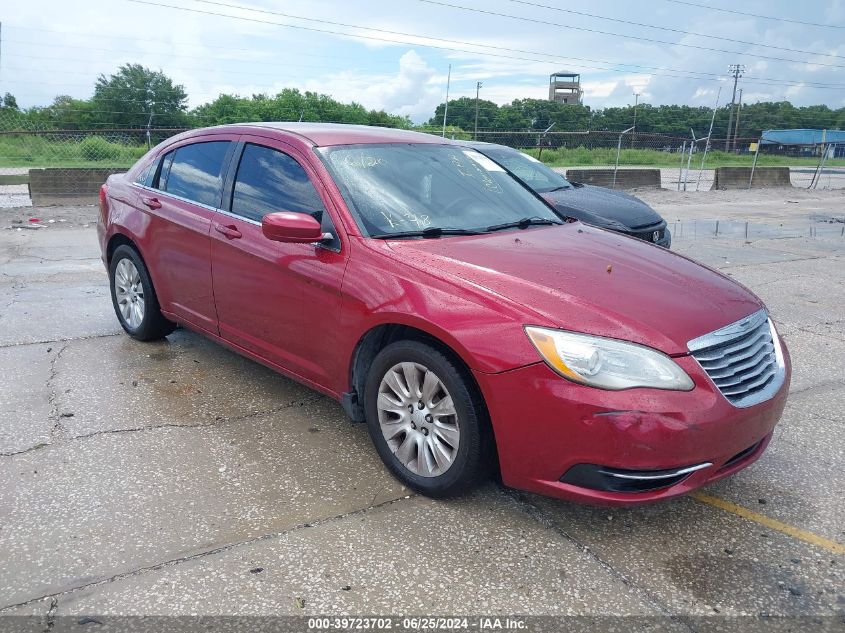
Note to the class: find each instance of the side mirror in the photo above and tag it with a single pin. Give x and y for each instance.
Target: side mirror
(285, 226)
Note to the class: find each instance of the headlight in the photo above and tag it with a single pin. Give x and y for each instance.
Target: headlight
(607, 363)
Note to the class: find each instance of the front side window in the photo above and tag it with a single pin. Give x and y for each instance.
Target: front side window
(196, 172)
(396, 188)
(528, 169)
(269, 181)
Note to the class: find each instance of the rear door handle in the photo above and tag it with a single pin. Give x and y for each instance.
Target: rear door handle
(152, 203)
(231, 231)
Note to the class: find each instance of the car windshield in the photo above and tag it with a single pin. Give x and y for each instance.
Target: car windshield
(406, 188)
(528, 169)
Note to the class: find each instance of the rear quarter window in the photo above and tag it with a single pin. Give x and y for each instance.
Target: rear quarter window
(196, 172)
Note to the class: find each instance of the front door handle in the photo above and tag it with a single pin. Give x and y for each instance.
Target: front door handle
(152, 203)
(230, 231)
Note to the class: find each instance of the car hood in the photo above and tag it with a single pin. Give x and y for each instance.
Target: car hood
(592, 204)
(585, 279)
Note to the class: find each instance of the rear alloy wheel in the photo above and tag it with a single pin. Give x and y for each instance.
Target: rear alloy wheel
(134, 299)
(129, 293)
(427, 420)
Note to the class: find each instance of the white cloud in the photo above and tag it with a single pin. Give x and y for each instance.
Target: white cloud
(414, 90)
(212, 54)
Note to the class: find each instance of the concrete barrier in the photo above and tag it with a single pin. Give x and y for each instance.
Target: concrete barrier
(737, 177)
(57, 185)
(625, 178)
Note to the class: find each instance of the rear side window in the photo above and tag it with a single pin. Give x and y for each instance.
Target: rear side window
(196, 172)
(268, 181)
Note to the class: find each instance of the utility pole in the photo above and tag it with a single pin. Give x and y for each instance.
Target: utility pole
(737, 70)
(477, 89)
(736, 125)
(446, 107)
(634, 132)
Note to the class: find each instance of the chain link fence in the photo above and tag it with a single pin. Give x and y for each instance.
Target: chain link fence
(68, 162)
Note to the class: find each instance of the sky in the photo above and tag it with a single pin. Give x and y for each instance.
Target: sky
(395, 54)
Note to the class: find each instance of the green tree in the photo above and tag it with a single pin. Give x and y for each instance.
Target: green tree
(462, 114)
(292, 105)
(9, 102)
(136, 95)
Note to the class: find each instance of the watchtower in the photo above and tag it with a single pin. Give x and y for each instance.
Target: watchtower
(565, 87)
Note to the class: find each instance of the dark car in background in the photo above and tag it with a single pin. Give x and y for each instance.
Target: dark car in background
(599, 206)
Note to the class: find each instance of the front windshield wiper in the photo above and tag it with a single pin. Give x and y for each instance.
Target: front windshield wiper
(558, 188)
(524, 223)
(432, 231)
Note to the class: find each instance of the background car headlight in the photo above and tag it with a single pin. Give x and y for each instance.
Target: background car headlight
(607, 363)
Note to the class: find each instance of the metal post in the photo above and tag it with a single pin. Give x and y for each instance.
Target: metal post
(446, 107)
(618, 150)
(754, 164)
(709, 135)
(634, 132)
(151, 92)
(825, 150)
(689, 160)
(821, 158)
(540, 140)
(736, 127)
(477, 89)
(681, 168)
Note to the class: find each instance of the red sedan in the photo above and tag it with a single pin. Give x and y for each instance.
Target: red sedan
(448, 307)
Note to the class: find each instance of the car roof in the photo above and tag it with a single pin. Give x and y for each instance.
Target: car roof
(324, 134)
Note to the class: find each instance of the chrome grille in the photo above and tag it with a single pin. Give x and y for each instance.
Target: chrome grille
(743, 359)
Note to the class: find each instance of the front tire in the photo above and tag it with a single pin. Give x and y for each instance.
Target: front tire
(427, 420)
(134, 298)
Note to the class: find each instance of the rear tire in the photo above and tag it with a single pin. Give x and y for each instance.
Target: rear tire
(134, 298)
(427, 420)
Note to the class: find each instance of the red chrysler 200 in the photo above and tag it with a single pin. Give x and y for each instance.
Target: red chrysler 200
(447, 306)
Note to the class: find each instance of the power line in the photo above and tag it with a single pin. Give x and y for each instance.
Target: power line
(615, 66)
(399, 33)
(695, 74)
(756, 15)
(667, 28)
(171, 54)
(192, 69)
(622, 35)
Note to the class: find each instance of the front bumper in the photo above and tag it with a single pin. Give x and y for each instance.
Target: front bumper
(546, 425)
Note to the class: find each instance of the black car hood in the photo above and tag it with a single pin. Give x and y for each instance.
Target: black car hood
(593, 204)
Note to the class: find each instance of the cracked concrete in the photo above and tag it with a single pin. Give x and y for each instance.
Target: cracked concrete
(180, 478)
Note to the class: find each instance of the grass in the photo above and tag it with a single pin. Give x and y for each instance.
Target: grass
(97, 151)
(583, 157)
(93, 151)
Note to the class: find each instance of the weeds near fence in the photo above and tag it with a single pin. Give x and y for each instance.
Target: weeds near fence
(89, 151)
(582, 156)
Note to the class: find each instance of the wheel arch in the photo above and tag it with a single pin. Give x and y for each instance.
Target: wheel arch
(117, 240)
(377, 338)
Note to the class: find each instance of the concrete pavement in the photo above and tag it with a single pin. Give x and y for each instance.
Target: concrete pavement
(179, 478)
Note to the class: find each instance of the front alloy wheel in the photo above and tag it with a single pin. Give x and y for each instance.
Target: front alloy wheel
(418, 419)
(427, 419)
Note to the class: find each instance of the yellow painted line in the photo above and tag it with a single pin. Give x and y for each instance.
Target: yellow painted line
(774, 524)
